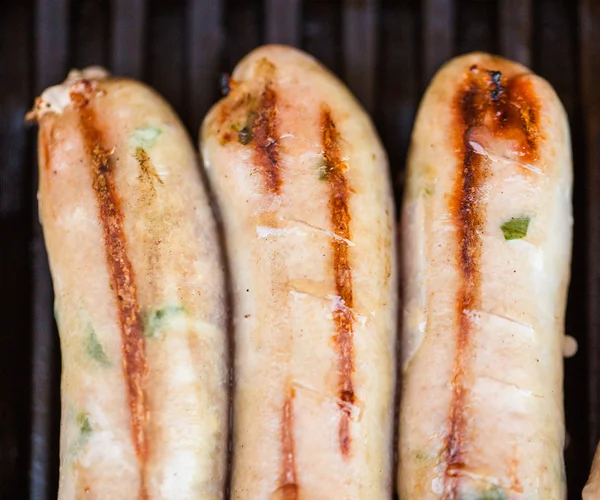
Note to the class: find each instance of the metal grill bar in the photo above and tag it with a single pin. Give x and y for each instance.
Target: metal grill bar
(515, 30)
(51, 36)
(128, 24)
(589, 38)
(360, 48)
(283, 21)
(438, 35)
(205, 48)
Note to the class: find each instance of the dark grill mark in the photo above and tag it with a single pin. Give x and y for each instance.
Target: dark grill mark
(495, 77)
(508, 111)
(265, 138)
(289, 486)
(339, 193)
(121, 271)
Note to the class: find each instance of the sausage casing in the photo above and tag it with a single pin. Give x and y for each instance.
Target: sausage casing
(592, 487)
(487, 241)
(302, 183)
(139, 294)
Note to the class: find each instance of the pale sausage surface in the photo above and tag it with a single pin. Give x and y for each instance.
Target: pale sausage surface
(487, 240)
(302, 183)
(139, 294)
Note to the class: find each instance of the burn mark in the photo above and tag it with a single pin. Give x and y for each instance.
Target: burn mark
(264, 139)
(121, 272)
(156, 217)
(289, 487)
(509, 110)
(343, 318)
(47, 143)
(495, 77)
(225, 84)
(505, 108)
(521, 120)
(81, 93)
(148, 174)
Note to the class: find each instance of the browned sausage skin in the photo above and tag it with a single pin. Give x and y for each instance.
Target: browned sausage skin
(139, 294)
(487, 238)
(302, 182)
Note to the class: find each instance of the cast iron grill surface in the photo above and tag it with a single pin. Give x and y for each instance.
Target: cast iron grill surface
(386, 51)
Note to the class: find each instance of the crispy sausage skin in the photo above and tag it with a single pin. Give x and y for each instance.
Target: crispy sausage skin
(486, 225)
(138, 281)
(302, 183)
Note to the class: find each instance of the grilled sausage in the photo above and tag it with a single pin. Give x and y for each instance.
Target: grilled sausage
(592, 488)
(487, 229)
(139, 294)
(302, 183)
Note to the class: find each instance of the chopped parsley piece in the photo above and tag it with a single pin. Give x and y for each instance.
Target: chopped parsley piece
(145, 137)
(157, 318)
(83, 422)
(515, 228)
(94, 348)
(492, 493)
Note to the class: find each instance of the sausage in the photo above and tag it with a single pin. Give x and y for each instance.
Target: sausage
(302, 183)
(487, 224)
(139, 294)
(592, 487)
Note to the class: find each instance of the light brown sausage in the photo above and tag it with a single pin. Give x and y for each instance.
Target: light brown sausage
(487, 243)
(139, 293)
(302, 182)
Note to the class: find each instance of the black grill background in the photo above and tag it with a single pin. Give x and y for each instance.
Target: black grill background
(385, 50)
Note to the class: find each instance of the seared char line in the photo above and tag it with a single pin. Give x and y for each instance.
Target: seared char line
(508, 111)
(265, 139)
(121, 272)
(339, 194)
(289, 482)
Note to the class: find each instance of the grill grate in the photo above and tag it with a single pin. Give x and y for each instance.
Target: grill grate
(385, 50)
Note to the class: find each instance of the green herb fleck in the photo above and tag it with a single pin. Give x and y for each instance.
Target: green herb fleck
(83, 422)
(156, 319)
(516, 228)
(429, 191)
(145, 137)
(493, 493)
(94, 348)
